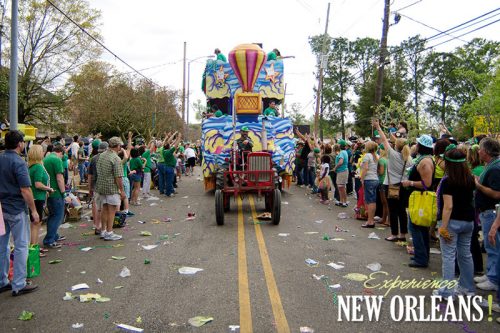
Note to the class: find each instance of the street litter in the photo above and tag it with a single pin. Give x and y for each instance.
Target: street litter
(138, 320)
(380, 228)
(89, 297)
(335, 286)
(339, 229)
(199, 321)
(68, 297)
(66, 226)
(326, 237)
(85, 234)
(356, 277)
(153, 204)
(26, 315)
(373, 236)
(284, 202)
(336, 266)
(264, 216)
(374, 267)
(86, 249)
(147, 261)
(190, 218)
(318, 277)
(167, 219)
(283, 234)
(130, 328)
(185, 197)
(99, 280)
(152, 199)
(83, 272)
(141, 222)
(305, 329)
(434, 251)
(336, 239)
(149, 247)
(155, 221)
(125, 272)
(118, 287)
(55, 261)
(118, 258)
(319, 221)
(146, 233)
(311, 232)
(80, 286)
(77, 325)
(342, 215)
(234, 328)
(189, 270)
(410, 249)
(311, 262)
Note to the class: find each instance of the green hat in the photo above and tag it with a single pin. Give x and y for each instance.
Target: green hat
(316, 150)
(342, 143)
(96, 143)
(218, 113)
(244, 129)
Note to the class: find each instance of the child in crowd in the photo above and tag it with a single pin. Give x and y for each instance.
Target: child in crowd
(324, 180)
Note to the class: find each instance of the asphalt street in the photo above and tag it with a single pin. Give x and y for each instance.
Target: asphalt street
(254, 273)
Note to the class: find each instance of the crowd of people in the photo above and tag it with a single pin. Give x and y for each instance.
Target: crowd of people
(39, 178)
(383, 172)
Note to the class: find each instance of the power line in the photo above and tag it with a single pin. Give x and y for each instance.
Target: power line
(397, 10)
(428, 26)
(101, 44)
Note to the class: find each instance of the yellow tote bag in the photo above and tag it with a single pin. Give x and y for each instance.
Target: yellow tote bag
(422, 208)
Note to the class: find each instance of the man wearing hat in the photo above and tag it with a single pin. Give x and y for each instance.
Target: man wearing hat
(342, 170)
(109, 187)
(244, 142)
(97, 148)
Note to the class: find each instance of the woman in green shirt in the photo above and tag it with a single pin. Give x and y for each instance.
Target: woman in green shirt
(382, 189)
(136, 172)
(39, 186)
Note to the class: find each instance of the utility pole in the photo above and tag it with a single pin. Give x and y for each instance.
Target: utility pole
(13, 116)
(184, 93)
(382, 56)
(320, 79)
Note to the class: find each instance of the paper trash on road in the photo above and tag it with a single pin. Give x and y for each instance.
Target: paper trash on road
(146, 233)
(318, 277)
(189, 270)
(129, 328)
(234, 328)
(319, 221)
(335, 286)
(149, 247)
(80, 286)
(373, 236)
(153, 204)
(305, 329)
(52, 262)
(152, 199)
(118, 258)
(199, 321)
(356, 277)
(77, 325)
(99, 280)
(284, 202)
(66, 226)
(311, 262)
(374, 267)
(185, 197)
(311, 232)
(336, 266)
(86, 249)
(342, 216)
(68, 297)
(284, 234)
(125, 272)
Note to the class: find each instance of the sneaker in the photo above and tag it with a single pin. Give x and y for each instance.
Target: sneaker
(111, 236)
(171, 195)
(27, 289)
(345, 205)
(7, 287)
(437, 292)
(479, 279)
(53, 246)
(97, 232)
(103, 234)
(61, 238)
(487, 285)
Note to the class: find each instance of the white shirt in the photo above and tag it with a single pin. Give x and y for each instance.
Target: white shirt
(189, 152)
(74, 149)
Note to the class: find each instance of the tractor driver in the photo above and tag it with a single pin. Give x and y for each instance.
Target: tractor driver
(244, 142)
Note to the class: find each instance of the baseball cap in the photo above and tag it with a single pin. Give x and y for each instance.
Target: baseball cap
(115, 142)
(96, 143)
(218, 113)
(244, 129)
(102, 146)
(425, 140)
(317, 151)
(342, 143)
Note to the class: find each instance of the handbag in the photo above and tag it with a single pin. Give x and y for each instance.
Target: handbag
(33, 264)
(422, 207)
(393, 190)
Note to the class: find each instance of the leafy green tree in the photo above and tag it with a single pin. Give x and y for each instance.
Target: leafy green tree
(364, 53)
(295, 114)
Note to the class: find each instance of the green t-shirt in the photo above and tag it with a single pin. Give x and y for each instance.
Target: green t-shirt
(54, 166)
(477, 171)
(270, 112)
(383, 162)
(168, 156)
(65, 161)
(136, 164)
(125, 170)
(159, 151)
(38, 174)
(147, 156)
(181, 149)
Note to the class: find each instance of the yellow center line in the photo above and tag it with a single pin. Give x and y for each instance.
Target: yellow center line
(244, 293)
(272, 288)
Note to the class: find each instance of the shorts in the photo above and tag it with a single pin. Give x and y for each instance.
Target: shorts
(342, 178)
(370, 190)
(107, 199)
(134, 177)
(191, 161)
(126, 186)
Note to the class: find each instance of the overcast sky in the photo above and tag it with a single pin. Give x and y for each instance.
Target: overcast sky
(152, 32)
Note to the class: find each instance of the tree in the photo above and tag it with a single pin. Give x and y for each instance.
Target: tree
(365, 53)
(51, 47)
(199, 108)
(295, 115)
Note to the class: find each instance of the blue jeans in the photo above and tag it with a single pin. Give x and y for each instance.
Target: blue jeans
(54, 220)
(170, 174)
(370, 189)
(81, 170)
(487, 218)
(459, 247)
(162, 178)
(421, 247)
(19, 226)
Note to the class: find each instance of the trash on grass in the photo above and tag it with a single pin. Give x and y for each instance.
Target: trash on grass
(311, 262)
(26, 315)
(356, 277)
(80, 286)
(125, 272)
(189, 270)
(130, 328)
(199, 321)
(149, 247)
(374, 267)
(373, 236)
(336, 266)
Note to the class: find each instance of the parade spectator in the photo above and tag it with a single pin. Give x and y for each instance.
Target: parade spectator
(73, 150)
(493, 236)
(402, 129)
(382, 189)
(146, 155)
(324, 181)
(341, 162)
(456, 213)
(420, 179)
(40, 186)
(311, 167)
(486, 197)
(299, 164)
(475, 163)
(273, 55)
(124, 155)
(137, 165)
(81, 162)
(190, 154)
(15, 194)
(331, 153)
(109, 187)
(369, 178)
(54, 166)
(97, 148)
(170, 161)
(45, 143)
(439, 148)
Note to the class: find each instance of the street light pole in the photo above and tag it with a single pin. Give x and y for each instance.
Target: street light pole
(13, 116)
